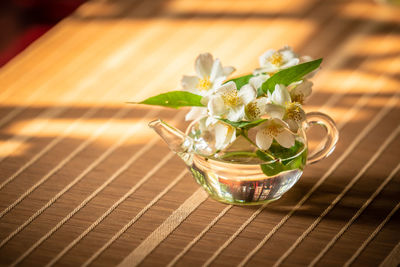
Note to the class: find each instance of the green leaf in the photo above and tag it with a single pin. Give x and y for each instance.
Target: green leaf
(282, 153)
(290, 75)
(242, 80)
(174, 99)
(243, 124)
(263, 156)
(272, 168)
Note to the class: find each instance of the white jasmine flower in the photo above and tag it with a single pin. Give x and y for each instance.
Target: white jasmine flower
(258, 80)
(223, 134)
(274, 129)
(281, 107)
(227, 102)
(256, 108)
(273, 61)
(301, 90)
(294, 116)
(210, 75)
(196, 113)
(279, 99)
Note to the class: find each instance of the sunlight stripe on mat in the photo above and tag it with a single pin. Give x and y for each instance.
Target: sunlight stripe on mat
(227, 242)
(69, 68)
(147, 207)
(116, 174)
(199, 236)
(148, 88)
(66, 188)
(124, 53)
(170, 224)
(94, 48)
(376, 155)
(356, 215)
(48, 60)
(69, 44)
(134, 188)
(77, 150)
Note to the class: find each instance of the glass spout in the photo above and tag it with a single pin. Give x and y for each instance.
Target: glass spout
(176, 140)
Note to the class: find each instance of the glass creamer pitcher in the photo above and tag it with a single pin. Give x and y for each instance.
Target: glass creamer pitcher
(238, 175)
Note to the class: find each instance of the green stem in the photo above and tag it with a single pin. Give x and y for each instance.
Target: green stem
(244, 134)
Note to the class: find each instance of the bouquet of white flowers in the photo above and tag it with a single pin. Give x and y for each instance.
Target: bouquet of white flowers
(268, 101)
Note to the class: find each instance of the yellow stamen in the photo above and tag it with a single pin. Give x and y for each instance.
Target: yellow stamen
(299, 98)
(204, 84)
(294, 112)
(276, 59)
(273, 130)
(253, 111)
(231, 98)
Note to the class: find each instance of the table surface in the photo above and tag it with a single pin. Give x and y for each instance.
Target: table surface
(84, 181)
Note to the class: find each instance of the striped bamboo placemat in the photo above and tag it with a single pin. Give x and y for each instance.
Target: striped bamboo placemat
(84, 181)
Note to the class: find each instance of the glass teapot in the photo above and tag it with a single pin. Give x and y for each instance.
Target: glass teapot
(239, 175)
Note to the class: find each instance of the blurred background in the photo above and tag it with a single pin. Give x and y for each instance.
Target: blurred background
(23, 21)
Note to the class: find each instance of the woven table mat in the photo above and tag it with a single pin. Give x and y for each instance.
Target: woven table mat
(84, 181)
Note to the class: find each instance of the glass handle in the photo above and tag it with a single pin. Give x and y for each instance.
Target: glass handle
(332, 135)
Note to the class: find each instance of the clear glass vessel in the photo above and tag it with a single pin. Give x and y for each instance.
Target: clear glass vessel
(237, 176)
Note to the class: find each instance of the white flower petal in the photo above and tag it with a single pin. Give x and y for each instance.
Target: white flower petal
(285, 138)
(304, 88)
(228, 70)
(216, 106)
(275, 111)
(216, 70)
(236, 114)
(263, 59)
(280, 122)
(226, 88)
(261, 103)
(196, 113)
(263, 140)
(268, 68)
(258, 80)
(255, 109)
(281, 95)
(290, 63)
(224, 135)
(203, 65)
(211, 121)
(189, 83)
(293, 126)
(304, 59)
(220, 135)
(217, 83)
(287, 53)
(247, 93)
